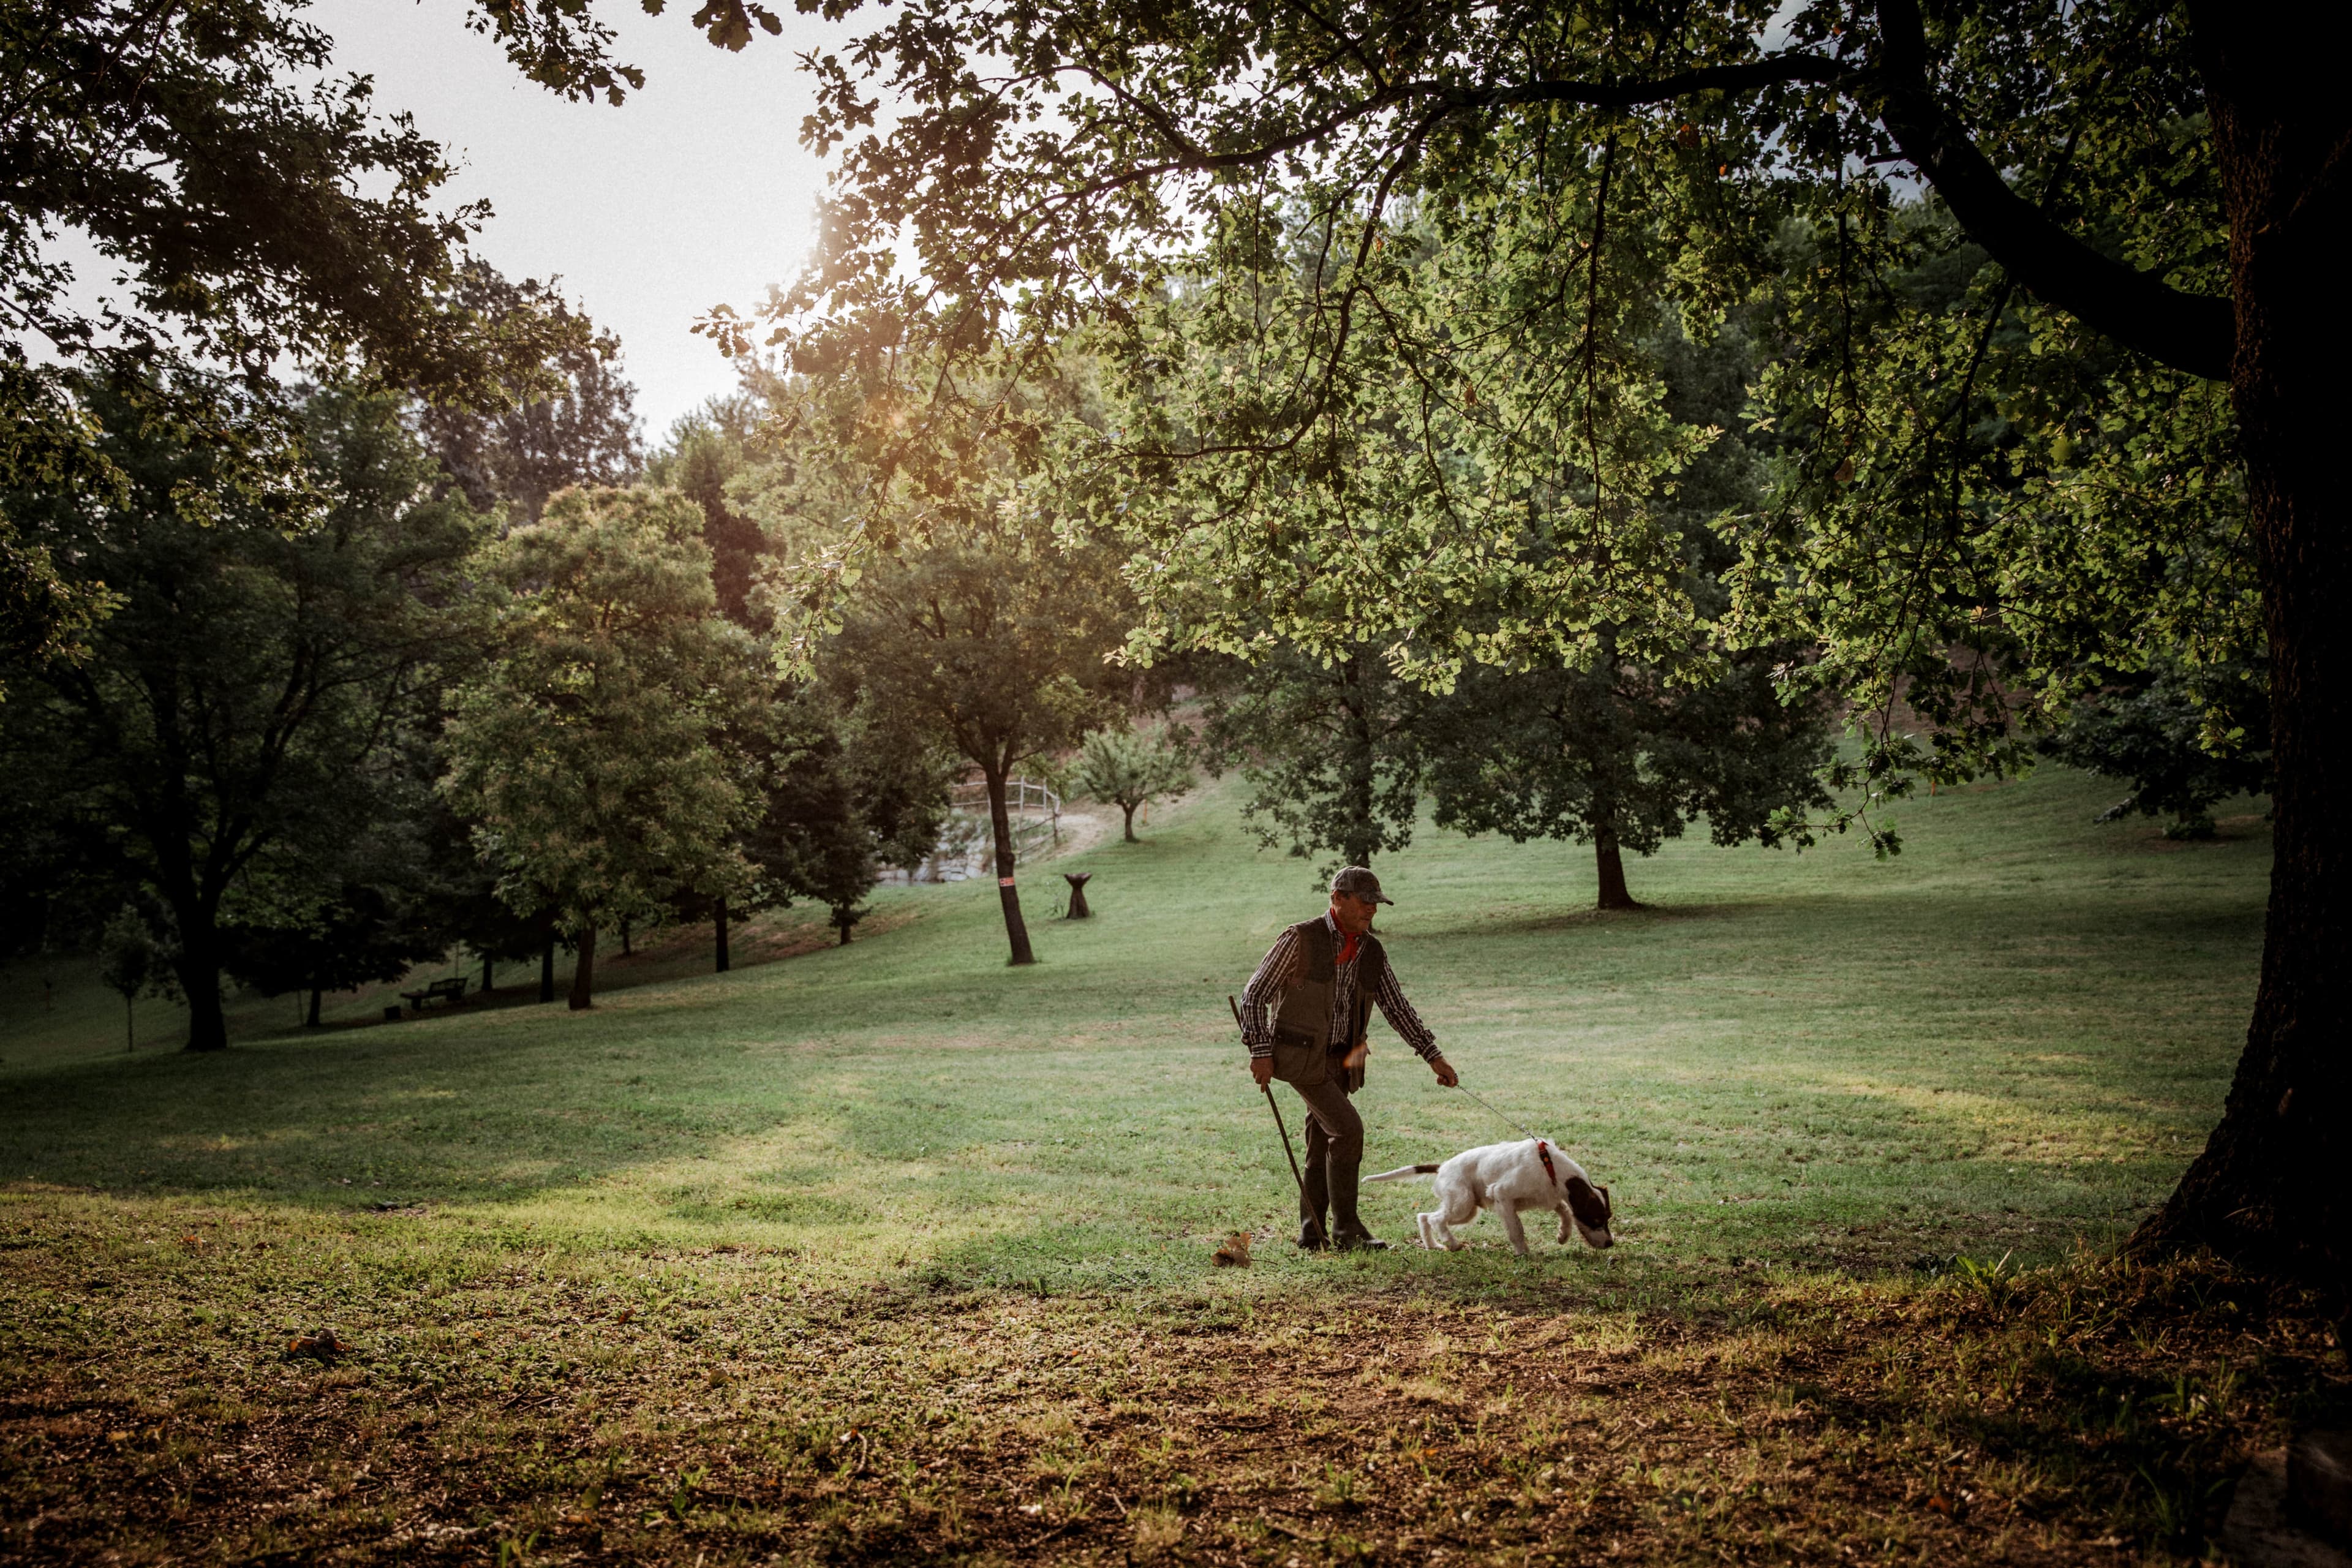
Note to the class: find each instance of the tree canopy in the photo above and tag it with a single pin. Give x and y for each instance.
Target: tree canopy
(230, 733)
(2003, 464)
(262, 213)
(588, 749)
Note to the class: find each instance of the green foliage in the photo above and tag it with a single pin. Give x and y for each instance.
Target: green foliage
(2157, 732)
(1618, 757)
(839, 794)
(706, 451)
(575, 426)
(1130, 768)
(130, 959)
(365, 933)
(980, 611)
(587, 749)
(233, 729)
(260, 214)
(1980, 510)
(1382, 302)
(1326, 748)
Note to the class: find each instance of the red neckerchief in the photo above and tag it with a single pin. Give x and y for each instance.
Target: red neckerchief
(1544, 1154)
(1347, 943)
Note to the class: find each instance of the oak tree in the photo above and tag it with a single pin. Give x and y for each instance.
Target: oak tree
(587, 749)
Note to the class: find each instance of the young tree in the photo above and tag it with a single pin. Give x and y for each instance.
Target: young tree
(587, 749)
(1130, 769)
(980, 617)
(577, 427)
(130, 959)
(268, 646)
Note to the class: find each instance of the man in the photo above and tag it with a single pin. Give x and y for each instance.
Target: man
(1318, 984)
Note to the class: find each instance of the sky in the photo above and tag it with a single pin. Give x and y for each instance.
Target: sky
(695, 192)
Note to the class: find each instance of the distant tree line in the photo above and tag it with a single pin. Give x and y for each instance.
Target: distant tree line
(375, 680)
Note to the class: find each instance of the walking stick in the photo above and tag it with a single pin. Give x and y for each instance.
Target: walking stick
(1267, 1089)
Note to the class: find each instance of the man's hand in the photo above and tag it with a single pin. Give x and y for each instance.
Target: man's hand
(1444, 1071)
(1262, 1069)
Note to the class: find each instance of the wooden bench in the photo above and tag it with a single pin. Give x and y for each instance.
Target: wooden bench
(452, 990)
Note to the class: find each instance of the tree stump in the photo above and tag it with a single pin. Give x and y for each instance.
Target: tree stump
(1077, 881)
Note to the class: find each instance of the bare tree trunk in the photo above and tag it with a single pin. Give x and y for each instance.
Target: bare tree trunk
(626, 950)
(130, 1025)
(720, 920)
(1612, 863)
(200, 983)
(1130, 822)
(1000, 821)
(490, 974)
(313, 1021)
(547, 971)
(2268, 1190)
(583, 972)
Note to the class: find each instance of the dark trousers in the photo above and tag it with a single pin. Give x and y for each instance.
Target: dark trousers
(1335, 1154)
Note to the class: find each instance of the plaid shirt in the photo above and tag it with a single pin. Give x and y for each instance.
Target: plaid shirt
(1274, 975)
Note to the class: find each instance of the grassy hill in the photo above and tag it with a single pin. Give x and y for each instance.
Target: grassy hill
(896, 1251)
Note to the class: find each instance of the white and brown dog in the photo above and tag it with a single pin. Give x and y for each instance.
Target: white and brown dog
(1510, 1178)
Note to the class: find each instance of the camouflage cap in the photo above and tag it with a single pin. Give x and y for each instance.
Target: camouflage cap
(1358, 881)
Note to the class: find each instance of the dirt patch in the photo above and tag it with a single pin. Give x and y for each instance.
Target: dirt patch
(2092, 1412)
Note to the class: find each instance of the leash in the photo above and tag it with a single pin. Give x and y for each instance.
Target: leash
(1517, 1126)
(1267, 1089)
(1543, 1150)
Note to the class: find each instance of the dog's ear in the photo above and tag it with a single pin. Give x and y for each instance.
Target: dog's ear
(1607, 1206)
(1589, 1204)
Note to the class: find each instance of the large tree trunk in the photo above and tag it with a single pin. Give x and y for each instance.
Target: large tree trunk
(1612, 863)
(311, 1022)
(1000, 823)
(200, 983)
(1130, 822)
(547, 971)
(2269, 1190)
(718, 919)
(583, 972)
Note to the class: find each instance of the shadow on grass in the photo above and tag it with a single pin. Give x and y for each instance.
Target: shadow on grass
(1523, 921)
(406, 1113)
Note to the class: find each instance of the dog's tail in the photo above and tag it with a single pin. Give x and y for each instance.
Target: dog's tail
(1402, 1173)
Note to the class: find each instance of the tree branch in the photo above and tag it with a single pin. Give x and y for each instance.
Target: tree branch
(2193, 333)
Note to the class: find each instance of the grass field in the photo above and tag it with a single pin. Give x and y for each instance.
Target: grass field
(892, 1252)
